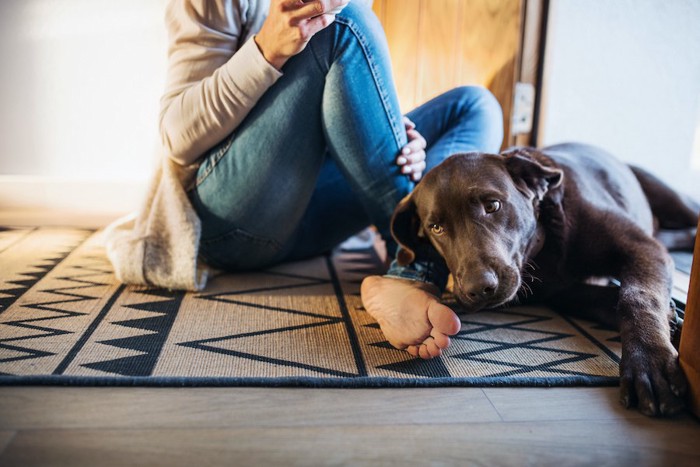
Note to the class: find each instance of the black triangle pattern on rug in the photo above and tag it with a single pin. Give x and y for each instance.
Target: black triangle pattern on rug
(150, 344)
(521, 319)
(381, 344)
(206, 344)
(15, 235)
(600, 327)
(38, 271)
(306, 281)
(434, 368)
(63, 295)
(175, 338)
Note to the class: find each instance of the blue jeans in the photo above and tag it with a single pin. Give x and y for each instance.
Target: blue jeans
(315, 160)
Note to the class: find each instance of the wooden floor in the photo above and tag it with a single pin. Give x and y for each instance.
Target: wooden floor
(64, 426)
(58, 426)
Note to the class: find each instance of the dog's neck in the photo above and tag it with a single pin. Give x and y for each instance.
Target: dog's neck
(536, 242)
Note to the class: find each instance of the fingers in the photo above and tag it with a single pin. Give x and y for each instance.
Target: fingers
(414, 174)
(409, 166)
(317, 24)
(291, 24)
(416, 142)
(412, 157)
(408, 123)
(412, 160)
(309, 10)
(314, 15)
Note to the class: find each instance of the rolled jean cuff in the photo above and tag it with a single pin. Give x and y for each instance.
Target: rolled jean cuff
(431, 272)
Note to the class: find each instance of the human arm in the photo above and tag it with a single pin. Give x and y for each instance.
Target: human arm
(291, 24)
(213, 79)
(216, 72)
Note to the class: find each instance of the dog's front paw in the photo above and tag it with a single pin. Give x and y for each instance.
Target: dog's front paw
(652, 380)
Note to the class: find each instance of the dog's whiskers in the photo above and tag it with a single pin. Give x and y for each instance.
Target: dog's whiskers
(530, 263)
(524, 290)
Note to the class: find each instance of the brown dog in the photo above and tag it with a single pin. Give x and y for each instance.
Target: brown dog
(531, 225)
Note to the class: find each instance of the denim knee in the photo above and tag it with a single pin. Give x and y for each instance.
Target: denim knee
(421, 270)
(360, 15)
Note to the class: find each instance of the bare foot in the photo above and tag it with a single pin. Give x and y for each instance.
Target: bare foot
(410, 315)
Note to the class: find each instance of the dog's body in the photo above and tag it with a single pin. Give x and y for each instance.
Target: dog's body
(531, 225)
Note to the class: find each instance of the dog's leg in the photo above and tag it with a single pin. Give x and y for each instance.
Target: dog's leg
(673, 210)
(676, 215)
(683, 239)
(650, 376)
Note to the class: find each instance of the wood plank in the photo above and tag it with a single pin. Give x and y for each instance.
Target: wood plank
(439, 45)
(690, 337)
(641, 442)
(5, 438)
(489, 49)
(58, 407)
(438, 53)
(400, 22)
(549, 404)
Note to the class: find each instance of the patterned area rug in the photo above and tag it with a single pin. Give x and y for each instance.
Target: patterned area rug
(65, 320)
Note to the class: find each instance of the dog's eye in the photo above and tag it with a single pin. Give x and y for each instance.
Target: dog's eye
(437, 229)
(492, 206)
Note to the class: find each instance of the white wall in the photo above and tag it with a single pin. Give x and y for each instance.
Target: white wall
(79, 87)
(80, 82)
(625, 75)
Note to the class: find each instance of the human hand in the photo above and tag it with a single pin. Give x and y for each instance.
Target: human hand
(412, 157)
(291, 24)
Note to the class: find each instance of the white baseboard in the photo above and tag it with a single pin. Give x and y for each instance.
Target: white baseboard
(103, 198)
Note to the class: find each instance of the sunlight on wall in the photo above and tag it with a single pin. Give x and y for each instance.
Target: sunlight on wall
(625, 75)
(81, 80)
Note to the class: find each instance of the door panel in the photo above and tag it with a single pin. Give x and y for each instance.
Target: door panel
(436, 45)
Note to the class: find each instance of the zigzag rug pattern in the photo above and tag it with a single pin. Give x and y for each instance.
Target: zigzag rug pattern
(64, 319)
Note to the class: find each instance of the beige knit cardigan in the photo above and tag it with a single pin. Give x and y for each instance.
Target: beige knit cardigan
(216, 74)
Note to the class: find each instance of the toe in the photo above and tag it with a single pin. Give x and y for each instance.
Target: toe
(413, 350)
(676, 378)
(441, 340)
(433, 349)
(647, 404)
(424, 353)
(627, 395)
(443, 319)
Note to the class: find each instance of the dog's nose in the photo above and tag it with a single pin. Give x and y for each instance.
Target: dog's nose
(484, 286)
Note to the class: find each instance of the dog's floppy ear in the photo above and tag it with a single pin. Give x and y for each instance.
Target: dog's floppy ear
(404, 228)
(531, 177)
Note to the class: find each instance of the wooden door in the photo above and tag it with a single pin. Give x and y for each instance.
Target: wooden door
(436, 45)
(690, 337)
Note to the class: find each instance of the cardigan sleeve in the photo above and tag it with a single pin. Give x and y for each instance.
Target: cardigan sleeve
(213, 81)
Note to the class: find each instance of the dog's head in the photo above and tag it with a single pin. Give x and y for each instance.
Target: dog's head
(479, 211)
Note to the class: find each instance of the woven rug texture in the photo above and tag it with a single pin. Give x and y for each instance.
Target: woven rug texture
(64, 319)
